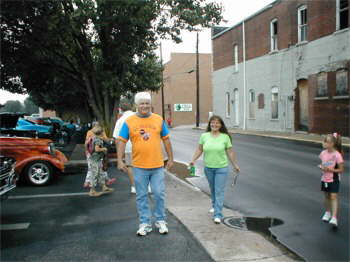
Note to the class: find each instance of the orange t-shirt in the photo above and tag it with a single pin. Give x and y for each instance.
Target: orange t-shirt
(145, 135)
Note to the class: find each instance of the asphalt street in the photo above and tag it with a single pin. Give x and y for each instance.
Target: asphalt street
(280, 179)
(60, 222)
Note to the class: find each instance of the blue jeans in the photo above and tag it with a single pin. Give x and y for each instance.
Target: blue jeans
(217, 180)
(155, 177)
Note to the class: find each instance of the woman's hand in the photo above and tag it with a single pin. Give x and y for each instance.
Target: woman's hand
(191, 163)
(236, 167)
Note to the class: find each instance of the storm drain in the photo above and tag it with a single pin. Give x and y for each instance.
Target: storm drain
(257, 224)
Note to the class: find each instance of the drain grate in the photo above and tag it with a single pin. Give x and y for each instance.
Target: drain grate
(236, 222)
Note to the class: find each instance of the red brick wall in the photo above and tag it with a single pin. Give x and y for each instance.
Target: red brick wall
(327, 116)
(321, 22)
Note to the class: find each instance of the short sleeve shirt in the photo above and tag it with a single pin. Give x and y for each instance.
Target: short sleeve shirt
(97, 156)
(214, 149)
(145, 135)
(330, 159)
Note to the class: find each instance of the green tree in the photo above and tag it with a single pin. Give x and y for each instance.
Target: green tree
(30, 107)
(90, 52)
(13, 106)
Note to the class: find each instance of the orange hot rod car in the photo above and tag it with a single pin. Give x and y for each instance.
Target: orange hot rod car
(37, 160)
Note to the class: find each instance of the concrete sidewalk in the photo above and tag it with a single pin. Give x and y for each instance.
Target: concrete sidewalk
(191, 207)
(298, 136)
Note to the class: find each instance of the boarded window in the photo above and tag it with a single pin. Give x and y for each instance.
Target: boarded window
(274, 103)
(322, 88)
(342, 88)
(228, 105)
(261, 102)
(251, 104)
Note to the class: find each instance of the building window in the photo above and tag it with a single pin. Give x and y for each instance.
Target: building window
(342, 14)
(342, 88)
(322, 88)
(302, 24)
(252, 104)
(274, 103)
(261, 101)
(235, 57)
(274, 34)
(228, 105)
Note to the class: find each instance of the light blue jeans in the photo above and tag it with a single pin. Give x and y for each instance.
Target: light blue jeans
(155, 177)
(217, 180)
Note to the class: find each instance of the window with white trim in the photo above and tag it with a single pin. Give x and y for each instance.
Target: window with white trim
(228, 104)
(302, 23)
(274, 35)
(342, 83)
(274, 103)
(342, 14)
(235, 57)
(322, 87)
(251, 104)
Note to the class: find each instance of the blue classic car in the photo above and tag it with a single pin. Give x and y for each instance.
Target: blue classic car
(24, 124)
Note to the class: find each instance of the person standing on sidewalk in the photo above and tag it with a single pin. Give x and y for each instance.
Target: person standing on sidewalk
(126, 113)
(96, 163)
(332, 165)
(217, 147)
(146, 131)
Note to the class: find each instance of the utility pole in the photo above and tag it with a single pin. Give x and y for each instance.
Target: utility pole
(197, 83)
(162, 84)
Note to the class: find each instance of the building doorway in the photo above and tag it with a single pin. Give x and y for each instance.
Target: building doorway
(236, 106)
(303, 98)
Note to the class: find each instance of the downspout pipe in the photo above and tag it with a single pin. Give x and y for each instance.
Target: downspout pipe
(244, 81)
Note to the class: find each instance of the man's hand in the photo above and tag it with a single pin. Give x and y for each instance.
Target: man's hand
(169, 164)
(122, 166)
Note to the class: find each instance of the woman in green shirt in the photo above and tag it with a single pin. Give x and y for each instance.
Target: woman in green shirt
(217, 147)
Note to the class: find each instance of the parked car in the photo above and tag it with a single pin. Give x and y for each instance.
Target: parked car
(8, 177)
(43, 131)
(37, 159)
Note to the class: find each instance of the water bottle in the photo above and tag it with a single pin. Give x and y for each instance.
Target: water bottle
(192, 170)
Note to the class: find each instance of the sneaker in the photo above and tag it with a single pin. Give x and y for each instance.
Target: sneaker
(133, 190)
(217, 220)
(149, 189)
(334, 222)
(211, 210)
(144, 229)
(111, 181)
(326, 217)
(162, 226)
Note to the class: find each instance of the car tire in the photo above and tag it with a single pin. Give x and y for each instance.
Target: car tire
(39, 173)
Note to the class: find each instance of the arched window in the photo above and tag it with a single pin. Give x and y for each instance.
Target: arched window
(274, 103)
(228, 104)
(251, 104)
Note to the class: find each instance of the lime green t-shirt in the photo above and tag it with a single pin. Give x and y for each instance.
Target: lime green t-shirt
(214, 149)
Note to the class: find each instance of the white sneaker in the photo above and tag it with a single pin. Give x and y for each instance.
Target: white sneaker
(217, 220)
(211, 210)
(326, 217)
(334, 222)
(133, 190)
(162, 226)
(149, 189)
(144, 229)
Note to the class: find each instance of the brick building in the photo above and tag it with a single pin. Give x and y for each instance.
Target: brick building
(179, 78)
(285, 68)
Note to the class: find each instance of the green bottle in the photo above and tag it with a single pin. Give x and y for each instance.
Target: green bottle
(192, 170)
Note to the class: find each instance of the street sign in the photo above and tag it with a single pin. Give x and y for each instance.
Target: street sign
(183, 107)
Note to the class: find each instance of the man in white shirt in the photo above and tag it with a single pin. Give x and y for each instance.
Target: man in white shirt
(126, 112)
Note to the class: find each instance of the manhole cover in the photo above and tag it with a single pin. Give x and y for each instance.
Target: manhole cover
(236, 222)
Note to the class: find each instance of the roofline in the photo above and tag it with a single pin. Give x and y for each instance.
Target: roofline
(248, 18)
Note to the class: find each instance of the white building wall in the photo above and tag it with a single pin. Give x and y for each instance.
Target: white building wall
(281, 69)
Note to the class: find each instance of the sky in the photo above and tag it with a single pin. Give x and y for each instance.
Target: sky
(234, 12)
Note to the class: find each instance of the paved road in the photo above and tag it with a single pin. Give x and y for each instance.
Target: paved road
(280, 179)
(80, 228)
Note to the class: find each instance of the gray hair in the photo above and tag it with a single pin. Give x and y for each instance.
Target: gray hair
(142, 96)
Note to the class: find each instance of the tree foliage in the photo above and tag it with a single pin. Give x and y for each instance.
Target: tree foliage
(87, 53)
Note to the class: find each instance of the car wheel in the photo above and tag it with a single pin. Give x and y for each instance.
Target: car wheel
(39, 173)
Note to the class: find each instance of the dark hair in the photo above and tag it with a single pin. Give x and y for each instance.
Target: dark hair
(336, 140)
(125, 106)
(222, 129)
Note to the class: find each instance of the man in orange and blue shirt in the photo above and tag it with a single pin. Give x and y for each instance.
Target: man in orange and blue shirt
(146, 132)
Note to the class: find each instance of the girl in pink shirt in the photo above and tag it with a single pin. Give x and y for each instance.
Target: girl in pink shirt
(332, 165)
